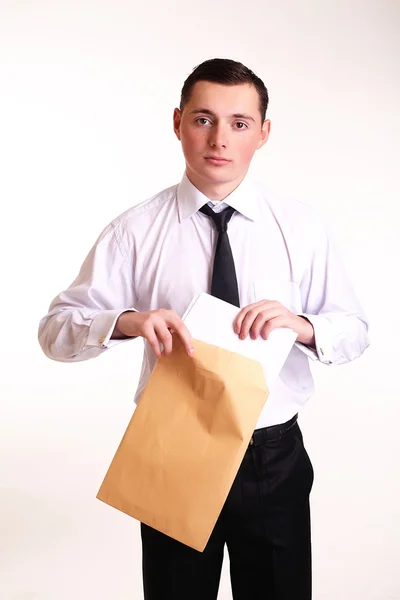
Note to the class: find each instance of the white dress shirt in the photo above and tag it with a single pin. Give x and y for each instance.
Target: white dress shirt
(159, 254)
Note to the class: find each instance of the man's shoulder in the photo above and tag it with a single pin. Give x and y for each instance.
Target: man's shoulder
(147, 209)
(288, 209)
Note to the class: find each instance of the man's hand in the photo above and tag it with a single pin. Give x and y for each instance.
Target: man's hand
(262, 317)
(156, 327)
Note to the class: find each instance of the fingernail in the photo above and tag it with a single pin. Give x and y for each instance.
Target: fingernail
(191, 351)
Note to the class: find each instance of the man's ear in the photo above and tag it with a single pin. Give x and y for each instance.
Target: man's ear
(265, 131)
(177, 122)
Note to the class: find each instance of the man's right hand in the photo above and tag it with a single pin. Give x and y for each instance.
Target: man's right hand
(156, 327)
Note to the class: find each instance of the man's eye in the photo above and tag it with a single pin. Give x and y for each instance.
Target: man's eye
(201, 119)
(241, 123)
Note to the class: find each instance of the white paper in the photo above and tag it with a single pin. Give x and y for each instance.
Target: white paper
(210, 320)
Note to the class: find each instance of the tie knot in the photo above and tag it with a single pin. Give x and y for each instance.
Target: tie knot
(220, 219)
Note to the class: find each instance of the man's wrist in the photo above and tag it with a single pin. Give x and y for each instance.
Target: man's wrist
(306, 334)
(121, 331)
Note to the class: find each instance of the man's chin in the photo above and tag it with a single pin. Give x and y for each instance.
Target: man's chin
(212, 176)
(217, 176)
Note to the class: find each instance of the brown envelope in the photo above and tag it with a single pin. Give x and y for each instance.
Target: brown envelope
(186, 440)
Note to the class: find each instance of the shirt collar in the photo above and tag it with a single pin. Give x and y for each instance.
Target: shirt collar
(244, 199)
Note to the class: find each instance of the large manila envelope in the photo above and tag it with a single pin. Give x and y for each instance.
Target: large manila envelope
(186, 440)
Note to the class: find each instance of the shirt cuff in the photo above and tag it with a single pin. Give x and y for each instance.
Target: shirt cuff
(323, 339)
(102, 328)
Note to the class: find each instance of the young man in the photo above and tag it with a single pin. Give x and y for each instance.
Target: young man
(219, 232)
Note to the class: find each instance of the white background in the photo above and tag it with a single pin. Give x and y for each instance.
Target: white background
(88, 90)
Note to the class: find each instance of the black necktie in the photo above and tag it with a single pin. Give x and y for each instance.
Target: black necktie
(224, 283)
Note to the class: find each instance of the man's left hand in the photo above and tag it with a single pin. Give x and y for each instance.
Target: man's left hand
(262, 317)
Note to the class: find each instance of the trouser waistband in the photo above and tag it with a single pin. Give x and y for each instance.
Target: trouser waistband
(274, 432)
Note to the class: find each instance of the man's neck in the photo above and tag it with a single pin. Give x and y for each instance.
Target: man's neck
(212, 190)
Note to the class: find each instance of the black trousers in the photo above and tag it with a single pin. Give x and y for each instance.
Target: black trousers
(265, 524)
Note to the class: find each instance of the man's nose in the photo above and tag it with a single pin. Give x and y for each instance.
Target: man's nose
(218, 137)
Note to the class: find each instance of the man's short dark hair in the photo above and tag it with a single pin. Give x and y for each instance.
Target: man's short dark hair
(226, 72)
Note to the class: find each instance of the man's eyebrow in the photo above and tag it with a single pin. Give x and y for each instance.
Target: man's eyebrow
(206, 111)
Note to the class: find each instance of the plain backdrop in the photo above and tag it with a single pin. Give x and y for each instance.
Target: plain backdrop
(87, 95)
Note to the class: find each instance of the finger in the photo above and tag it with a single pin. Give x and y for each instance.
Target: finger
(271, 325)
(176, 323)
(247, 319)
(150, 335)
(239, 319)
(252, 314)
(241, 316)
(164, 336)
(262, 318)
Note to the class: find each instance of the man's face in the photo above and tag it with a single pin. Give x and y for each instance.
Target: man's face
(220, 122)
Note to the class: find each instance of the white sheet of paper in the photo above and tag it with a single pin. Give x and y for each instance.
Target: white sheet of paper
(210, 320)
